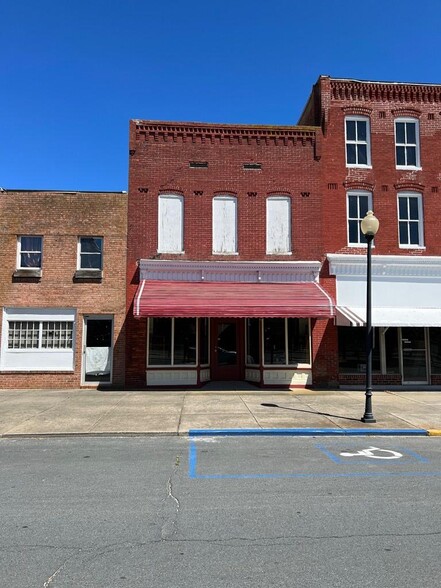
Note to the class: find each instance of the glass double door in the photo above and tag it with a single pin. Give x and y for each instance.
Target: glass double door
(414, 355)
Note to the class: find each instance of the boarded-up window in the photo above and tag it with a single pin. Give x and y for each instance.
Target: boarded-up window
(171, 224)
(278, 224)
(224, 224)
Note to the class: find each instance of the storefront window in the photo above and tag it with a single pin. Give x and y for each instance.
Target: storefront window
(162, 331)
(391, 348)
(203, 341)
(298, 341)
(286, 341)
(435, 350)
(160, 341)
(352, 350)
(184, 348)
(253, 355)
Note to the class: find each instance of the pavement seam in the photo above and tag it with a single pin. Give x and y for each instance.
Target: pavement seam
(178, 428)
(248, 409)
(107, 412)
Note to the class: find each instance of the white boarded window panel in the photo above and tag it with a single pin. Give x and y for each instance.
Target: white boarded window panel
(171, 225)
(224, 224)
(278, 224)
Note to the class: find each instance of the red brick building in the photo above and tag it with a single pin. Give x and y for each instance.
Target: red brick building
(245, 257)
(62, 288)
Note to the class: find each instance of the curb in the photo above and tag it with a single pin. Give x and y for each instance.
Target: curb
(307, 432)
(434, 432)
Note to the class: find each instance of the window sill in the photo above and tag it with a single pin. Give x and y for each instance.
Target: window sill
(356, 166)
(279, 252)
(83, 275)
(225, 253)
(409, 167)
(29, 272)
(411, 246)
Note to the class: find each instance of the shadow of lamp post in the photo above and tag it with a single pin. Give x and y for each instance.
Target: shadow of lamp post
(369, 228)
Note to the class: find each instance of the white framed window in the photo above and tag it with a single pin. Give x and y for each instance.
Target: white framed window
(171, 223)
(407, 143)
(286, 342)
(29, 252)
(358, 141)
(358, 203)
(224, 225)
(90, 253)
(172, 342)
(410, 220)
(38, 339)
(278, 225)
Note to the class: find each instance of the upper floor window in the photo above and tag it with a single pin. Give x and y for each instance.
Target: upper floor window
(407, 148)
(90, 253)
(358, 203)
(278, 224)
(171, 223)
(410, 220)
(29, 251)
(224, 224)
(358, 142)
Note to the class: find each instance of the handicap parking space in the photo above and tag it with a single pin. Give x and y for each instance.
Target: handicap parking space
(291, 457)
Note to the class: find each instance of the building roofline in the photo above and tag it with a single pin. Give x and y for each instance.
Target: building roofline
(228, 127)
(43, 191)
(381, 82)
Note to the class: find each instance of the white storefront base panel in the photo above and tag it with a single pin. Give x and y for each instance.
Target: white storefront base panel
(172, 377)
(37, 359)
(287, 377)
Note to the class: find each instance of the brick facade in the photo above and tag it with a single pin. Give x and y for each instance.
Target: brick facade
(61, 218)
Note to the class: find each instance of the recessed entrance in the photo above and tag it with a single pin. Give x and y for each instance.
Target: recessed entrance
(227, 349)
(414, 355)
(97, 358)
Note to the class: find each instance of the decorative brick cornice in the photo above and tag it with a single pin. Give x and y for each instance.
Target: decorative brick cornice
(409, 185)
(163, 132)
(384, 92)
(358, 185)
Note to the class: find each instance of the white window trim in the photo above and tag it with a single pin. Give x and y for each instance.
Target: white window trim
(356, 193)
(230, 198)
(160, 248)
(19, 251)
(366, 119)
(420, 220)
(89, 269)
(407, 119)
(285, 198)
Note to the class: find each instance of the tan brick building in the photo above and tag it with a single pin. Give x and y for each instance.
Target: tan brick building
(62, 288)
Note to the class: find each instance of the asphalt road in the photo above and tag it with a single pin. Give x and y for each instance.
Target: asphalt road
(220, 512)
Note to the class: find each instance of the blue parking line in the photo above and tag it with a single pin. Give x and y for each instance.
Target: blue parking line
(311, 432)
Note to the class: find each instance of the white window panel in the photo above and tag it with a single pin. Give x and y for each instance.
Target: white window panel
(358, 203)
(225, 224)
(410, 220)
(278, 224)
(358, 141)
(38, 339)
(407, 143)
(171, 224)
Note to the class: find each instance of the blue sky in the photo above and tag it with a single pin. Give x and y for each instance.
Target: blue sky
(73, 72)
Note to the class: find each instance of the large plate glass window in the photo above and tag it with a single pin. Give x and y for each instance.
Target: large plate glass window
(410, 220)
(286, 341)
(407, 144)
(358, 203)
(172, 341)
(358, 142)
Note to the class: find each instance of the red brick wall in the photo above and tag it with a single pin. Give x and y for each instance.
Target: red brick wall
(60, 218)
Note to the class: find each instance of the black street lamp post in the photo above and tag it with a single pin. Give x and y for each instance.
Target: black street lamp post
(369, 228)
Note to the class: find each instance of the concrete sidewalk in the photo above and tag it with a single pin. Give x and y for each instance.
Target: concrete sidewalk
(51, 412)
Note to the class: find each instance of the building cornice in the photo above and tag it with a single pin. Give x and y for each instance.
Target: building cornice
(173, 132)
(384, 92)
(225, 271)
(385, 266)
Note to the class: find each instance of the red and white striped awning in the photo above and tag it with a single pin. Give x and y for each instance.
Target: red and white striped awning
(157, 298)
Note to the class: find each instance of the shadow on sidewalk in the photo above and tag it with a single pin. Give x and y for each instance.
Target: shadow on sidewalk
(337, 416)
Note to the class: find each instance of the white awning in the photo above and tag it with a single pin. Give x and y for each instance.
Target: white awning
(389, 317)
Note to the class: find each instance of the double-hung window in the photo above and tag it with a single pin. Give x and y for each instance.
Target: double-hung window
(407, 148)
(90, 253)
(358, 142)
(30, 250)
(410, 220)
(171, 223)
(358, 203)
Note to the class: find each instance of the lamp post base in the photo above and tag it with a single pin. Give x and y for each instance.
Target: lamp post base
(368, 419)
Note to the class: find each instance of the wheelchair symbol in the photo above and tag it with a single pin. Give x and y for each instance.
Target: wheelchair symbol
(373, 452)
